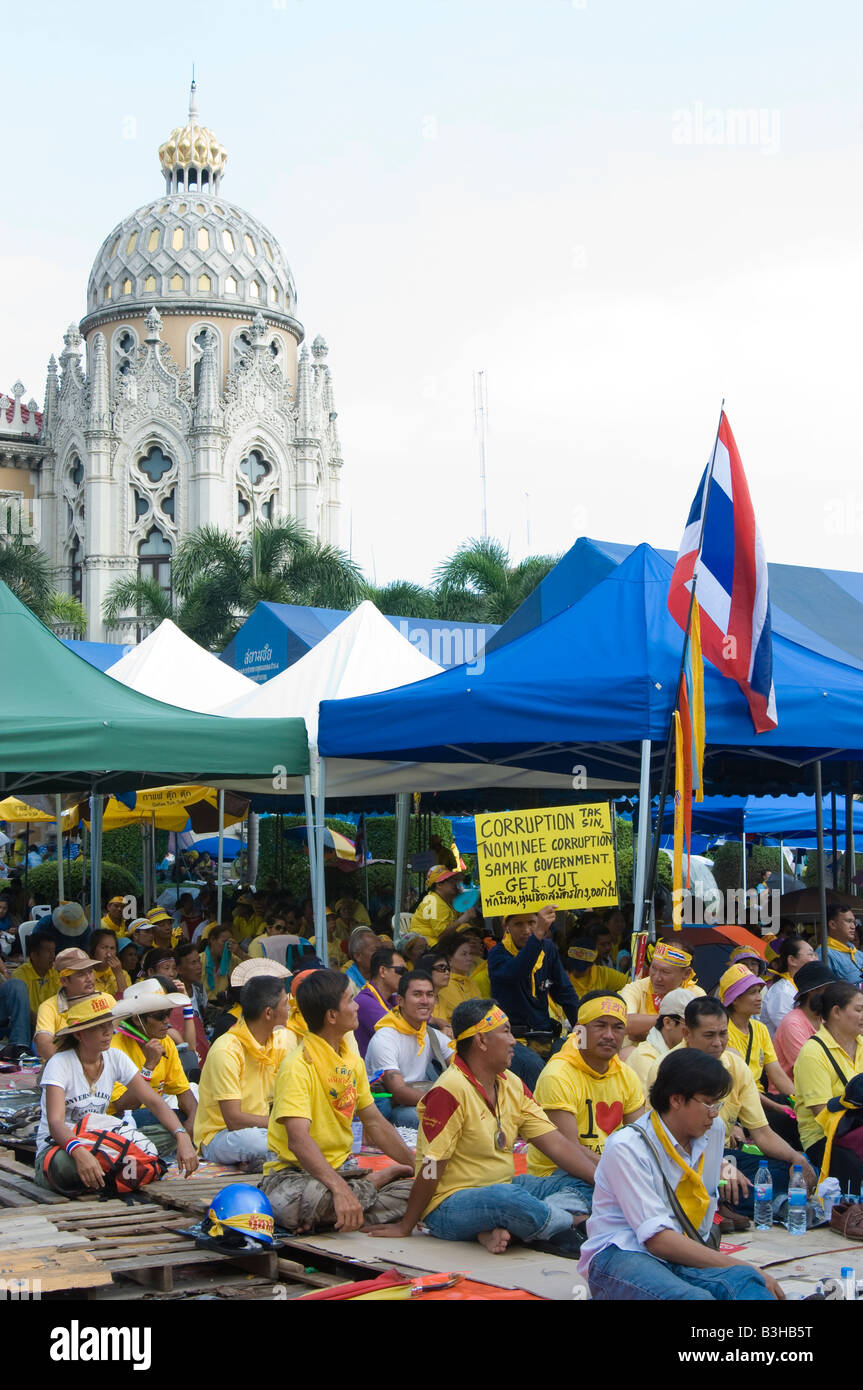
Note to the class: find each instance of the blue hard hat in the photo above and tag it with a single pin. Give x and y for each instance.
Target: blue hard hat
(240, 1211)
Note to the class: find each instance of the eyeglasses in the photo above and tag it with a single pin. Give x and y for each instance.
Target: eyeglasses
(712, 1107)
(398, 969)
(444, 968)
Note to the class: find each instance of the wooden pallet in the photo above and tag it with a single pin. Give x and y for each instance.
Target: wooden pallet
(18, 1187)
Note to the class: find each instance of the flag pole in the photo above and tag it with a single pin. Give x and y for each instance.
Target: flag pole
(644, 915)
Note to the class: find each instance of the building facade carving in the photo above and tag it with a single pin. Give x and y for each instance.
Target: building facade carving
(196, 402)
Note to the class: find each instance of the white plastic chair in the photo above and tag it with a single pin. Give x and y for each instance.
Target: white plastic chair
(24, 931)
(41, 910)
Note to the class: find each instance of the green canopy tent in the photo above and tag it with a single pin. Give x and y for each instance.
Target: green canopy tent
(67, 727)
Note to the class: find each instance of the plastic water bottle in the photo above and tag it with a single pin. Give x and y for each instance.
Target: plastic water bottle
(830, 1193)
(797, 1202)
(763, 1199)
(849, 1282)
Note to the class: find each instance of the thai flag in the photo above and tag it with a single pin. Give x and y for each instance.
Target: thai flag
(731, 580)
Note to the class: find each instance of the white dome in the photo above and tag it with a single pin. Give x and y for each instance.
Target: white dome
(186, 252)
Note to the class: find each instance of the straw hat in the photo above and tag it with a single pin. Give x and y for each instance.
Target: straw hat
(87, 1013)
(261, 965)
(147, 997)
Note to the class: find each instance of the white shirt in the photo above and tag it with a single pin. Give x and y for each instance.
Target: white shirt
(629, 1201)
(776, 1002)
(64, 1069)
(392, 1051)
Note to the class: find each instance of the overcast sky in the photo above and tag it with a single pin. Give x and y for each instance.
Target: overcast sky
(620, 211)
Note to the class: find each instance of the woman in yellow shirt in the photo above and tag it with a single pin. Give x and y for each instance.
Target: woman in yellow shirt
(143, 1033)
(110, 977)
(461, 985)
(741, 993)
(824, 1066)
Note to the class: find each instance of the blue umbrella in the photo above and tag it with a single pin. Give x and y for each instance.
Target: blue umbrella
(231, 846)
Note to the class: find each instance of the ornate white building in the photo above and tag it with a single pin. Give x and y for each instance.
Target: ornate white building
(198, 405)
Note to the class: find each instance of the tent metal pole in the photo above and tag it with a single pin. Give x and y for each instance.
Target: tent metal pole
(96, 805)
(744, 869)
(58, 813)
(310, 830)
(781, 868)
(643, 831)
(221, 857)
(320, 896)
(402, 816)
(850, 866)
(822, 868)
(835, 840)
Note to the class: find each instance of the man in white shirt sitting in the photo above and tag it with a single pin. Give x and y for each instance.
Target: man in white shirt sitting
(641, 1244)
(407, 1050)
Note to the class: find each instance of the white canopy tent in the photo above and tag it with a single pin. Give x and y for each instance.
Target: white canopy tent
(169, 666)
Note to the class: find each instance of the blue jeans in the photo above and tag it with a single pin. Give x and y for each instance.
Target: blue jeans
(749, 1165)
(528, 1207)
(628, 1276)
(237, 1146)
(15, 1012)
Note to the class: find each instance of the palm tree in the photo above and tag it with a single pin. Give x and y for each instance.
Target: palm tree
(218, 580)
(402, 599)
(27, 571)
(480, 584)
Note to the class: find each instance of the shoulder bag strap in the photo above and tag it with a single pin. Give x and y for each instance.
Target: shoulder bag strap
(686, 1224)
(751, 1040)
(834, 1064)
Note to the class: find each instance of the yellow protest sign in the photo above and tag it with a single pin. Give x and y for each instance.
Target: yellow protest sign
(561, 854)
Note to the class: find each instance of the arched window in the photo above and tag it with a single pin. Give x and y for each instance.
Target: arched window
(153, 240)
(154, 559)
(240, 348)
(197, 350)
(76, 470)
(125, 344)
(150, 285)
(231, 284)
(255, 467)
(155, 464)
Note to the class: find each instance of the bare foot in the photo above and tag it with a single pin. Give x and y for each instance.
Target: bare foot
(382, 1176)
(495, 1241)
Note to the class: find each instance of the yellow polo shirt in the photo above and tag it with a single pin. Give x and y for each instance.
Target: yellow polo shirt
(432, 917)
(762, 1052)
(816, 1082)
(459, 1127)
(460, 988)
(48, 1017)
(237, 1067)
(39, 987)
(479, 977)
(644, 1061)
(302, 1095)
(598, 977)
(600, 1103)
(168, 1077)
(742, 1105)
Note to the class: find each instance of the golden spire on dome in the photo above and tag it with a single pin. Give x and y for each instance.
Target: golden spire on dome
(191, 157)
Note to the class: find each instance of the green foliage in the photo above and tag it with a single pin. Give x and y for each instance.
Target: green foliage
(728, 864)
(115, 880)
(625, 858)
(810, 871)
(381, 840)
(27, 571)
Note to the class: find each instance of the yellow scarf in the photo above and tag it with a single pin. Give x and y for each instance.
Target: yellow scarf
(509, 945)
(336, 1073)
(393, 1019)
(263, 1053)
(368, 985)
(295, 1021)
(572, 1055)
(690, 1191)
(834, 945)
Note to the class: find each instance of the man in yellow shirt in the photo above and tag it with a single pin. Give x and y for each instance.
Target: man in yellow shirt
(741, 992)
(706, 1029)
(465, 1186)
(585, 1089)
(239, 1076)
(435, 912)
(113, 919)
(670, 968)
(586, 974)
(144, 1015)
(664, 1036)
(165, 934)
(77, 978)
(38, 971)
(314, 1181)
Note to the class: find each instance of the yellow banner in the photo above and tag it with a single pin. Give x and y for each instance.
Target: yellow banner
(19, 813)
(562, 855)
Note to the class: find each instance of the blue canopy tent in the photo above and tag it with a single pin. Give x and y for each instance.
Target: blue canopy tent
(819, 609)
(593, 688)
(778, 817)
(98, 654)
(275, 635)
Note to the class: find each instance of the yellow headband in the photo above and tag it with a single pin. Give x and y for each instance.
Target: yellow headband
(495, 1018)
(581, 953)
(253, 1223)
(606, 1007)
(672, 955)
